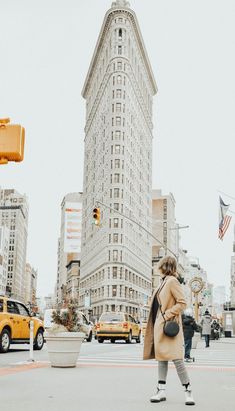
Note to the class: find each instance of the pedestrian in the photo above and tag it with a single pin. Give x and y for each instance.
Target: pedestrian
(167, 303)
(206, 327)
(189, 327)
(215, 330)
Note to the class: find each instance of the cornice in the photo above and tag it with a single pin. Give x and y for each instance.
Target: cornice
(104, 29)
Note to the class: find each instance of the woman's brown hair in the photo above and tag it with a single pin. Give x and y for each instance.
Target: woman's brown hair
(168, 266)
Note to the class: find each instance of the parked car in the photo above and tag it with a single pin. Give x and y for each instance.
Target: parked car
(87, 326)
(117, 326)
(14, 325)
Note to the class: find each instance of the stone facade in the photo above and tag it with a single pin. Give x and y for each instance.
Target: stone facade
(4, 250)
(31, 285)
(62, 255)
(119, 88)
(14, 215)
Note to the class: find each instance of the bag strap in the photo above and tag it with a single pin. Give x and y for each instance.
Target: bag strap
(159, 301)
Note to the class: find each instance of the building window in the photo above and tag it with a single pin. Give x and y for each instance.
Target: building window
(115, 222)
(118, 135)
(118, 93)
(117, 149)
(114, 273)
(116, 206)
(118, 121)
(119, 50)
(114, 291)
(115, 238)
(115, 255)
(118, 107)
(116, 192)
(120, 34)
(119, 79)
(119, 65)
(117, 163)
(116, 178)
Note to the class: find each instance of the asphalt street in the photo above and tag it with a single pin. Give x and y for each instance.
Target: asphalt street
(113, 377)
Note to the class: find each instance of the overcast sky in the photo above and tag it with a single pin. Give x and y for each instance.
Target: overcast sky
(46, 48)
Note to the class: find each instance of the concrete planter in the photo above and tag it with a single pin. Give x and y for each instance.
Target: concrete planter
(195, 340)
(64, 348)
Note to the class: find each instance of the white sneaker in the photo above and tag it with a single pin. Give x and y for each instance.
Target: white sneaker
(189, 397)
(161, 394)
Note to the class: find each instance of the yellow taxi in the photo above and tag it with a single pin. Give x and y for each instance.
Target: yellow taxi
(14, 325)
(117, 326)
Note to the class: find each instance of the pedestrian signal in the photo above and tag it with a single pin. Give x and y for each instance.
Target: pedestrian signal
(12, 137)
(96, 215)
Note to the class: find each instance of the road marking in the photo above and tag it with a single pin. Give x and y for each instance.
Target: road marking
(22, 368)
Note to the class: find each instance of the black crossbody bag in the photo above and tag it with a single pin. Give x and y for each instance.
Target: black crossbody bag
(171, 327)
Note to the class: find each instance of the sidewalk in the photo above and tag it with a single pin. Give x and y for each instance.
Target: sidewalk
(226, 340)
(113, 387)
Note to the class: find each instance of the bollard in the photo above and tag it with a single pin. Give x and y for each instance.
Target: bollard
(31, 325)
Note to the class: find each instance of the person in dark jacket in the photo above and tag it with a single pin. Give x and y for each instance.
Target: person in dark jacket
(189, 327)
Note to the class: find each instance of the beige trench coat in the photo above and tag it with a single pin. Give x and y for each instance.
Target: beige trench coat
(156, 344)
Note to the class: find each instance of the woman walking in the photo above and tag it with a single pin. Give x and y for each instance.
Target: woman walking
(167, 303)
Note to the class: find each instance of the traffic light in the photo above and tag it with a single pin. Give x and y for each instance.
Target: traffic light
(12, 137)
(96, 215)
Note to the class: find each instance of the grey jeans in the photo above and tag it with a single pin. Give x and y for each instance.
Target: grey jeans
(180, 368)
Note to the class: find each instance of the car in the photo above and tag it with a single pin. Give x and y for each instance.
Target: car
(14, 325)
(117, 326)
(86, 325)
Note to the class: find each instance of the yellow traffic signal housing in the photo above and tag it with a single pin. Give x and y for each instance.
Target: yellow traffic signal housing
(96, 215)
(12, 137)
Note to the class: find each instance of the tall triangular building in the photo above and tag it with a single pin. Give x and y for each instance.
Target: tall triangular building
(116, 266)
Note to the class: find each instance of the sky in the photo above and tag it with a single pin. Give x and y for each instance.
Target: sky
(46, 48)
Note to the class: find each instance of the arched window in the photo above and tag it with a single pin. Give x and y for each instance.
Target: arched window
(120, 34)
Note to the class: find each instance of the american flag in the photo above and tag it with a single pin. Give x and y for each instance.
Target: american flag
(224, 219)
